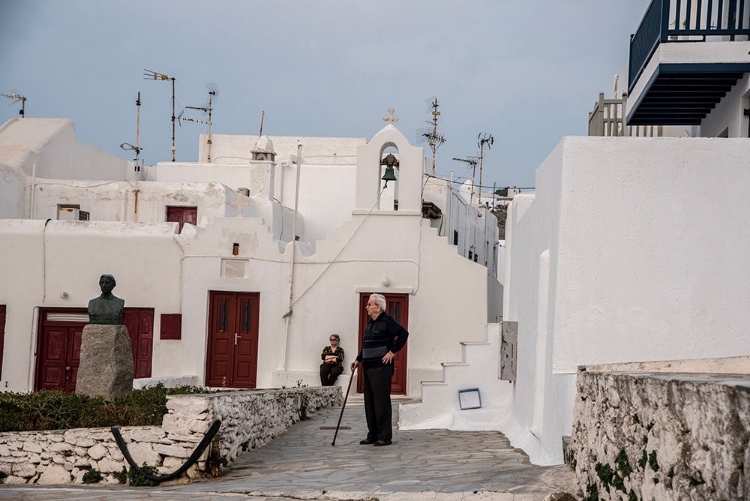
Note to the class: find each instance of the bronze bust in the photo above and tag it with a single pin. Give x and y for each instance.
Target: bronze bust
(107, 309)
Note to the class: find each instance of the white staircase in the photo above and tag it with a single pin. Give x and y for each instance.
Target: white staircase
(478, 368)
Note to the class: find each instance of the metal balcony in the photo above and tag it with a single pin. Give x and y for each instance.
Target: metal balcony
(674, 91)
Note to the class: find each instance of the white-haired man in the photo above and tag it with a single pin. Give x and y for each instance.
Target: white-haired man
(384, 337)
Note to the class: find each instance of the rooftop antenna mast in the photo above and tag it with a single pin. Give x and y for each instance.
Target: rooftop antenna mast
(483, 139)
(17, 97)
(137, 148)
(262, 116)
(433, 137)
(213, 96)
(153, 75)
(473, 163)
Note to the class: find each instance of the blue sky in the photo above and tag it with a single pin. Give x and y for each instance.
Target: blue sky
(527, 72)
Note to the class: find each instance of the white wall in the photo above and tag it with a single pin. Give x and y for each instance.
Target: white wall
(630, 251)
(12, 193)
(315, 150)
(40, 262)
(475, 225)
(234, 176)
(32, 148)
(326, 194)
(729, 113)
(115, 201)
(50, 143)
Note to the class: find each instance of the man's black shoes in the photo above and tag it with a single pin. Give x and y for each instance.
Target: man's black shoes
(366, 441)
(381, 443)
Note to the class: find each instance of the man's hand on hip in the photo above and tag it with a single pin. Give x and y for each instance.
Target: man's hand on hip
(388, 357)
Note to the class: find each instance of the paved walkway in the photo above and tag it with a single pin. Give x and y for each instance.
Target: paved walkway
(435, 465)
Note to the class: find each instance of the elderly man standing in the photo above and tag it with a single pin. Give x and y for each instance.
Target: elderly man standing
(383, 339)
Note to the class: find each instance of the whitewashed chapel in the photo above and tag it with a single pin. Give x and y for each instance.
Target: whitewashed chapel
(235, 272)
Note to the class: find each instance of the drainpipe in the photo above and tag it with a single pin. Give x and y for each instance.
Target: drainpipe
(124, 206)
(288, 314)
(33, 190)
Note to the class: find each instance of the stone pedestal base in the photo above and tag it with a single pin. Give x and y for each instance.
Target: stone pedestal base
(106, 366)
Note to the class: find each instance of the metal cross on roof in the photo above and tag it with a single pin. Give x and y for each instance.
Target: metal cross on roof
(239, 203)
(391, 116)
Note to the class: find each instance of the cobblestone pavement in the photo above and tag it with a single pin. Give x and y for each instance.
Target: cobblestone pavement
(435, 465)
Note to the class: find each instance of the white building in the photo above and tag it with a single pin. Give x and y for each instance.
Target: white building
(217, 289)
(631, 248)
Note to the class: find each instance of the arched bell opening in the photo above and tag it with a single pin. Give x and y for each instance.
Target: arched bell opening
(389, 174)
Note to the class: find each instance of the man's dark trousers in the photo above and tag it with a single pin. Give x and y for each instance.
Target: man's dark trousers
(378, 403)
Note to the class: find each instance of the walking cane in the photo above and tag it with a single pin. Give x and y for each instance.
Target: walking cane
(342, 409)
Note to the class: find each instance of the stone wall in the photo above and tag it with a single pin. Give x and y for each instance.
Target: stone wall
(662, 436)
(249, 420)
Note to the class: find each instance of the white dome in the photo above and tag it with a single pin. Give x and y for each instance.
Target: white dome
(262, 145)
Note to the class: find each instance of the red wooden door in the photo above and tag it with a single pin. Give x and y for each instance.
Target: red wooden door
(232, 360)
(182, 215)
(397, 306)
(2, 336)
(140, 324)
(59, 345)
(59, 349)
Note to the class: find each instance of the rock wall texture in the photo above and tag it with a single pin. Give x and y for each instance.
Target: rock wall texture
(661, 437)
(249, 420)
(106, 365)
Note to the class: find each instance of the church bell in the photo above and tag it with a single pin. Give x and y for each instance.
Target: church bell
(389, 174)
(389, 161)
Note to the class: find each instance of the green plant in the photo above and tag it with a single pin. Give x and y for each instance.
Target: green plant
(632, 496)
(604, 472)
(622, 463)
(135, 478)
(121, 476)
(644, 459)
(652, 462)
(592, 493)
(92, 476)
(618, 482)
(54, 410)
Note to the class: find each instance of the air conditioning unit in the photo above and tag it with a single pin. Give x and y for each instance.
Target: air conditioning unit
(67, 213)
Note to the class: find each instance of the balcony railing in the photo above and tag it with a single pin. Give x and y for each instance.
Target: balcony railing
(686, 21)
(607, 119)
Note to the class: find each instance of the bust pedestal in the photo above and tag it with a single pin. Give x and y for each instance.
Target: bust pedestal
(106, 366)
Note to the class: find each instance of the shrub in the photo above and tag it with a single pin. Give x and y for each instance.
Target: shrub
(121, 476)
(137, 479)
(54, 410)
(92, 476)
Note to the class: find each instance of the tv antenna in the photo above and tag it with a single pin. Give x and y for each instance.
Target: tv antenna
(153, 75)
(430, 134)
(137, 148)
(483, 139)
(213, 96)
(473, 165)
(17, 98)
